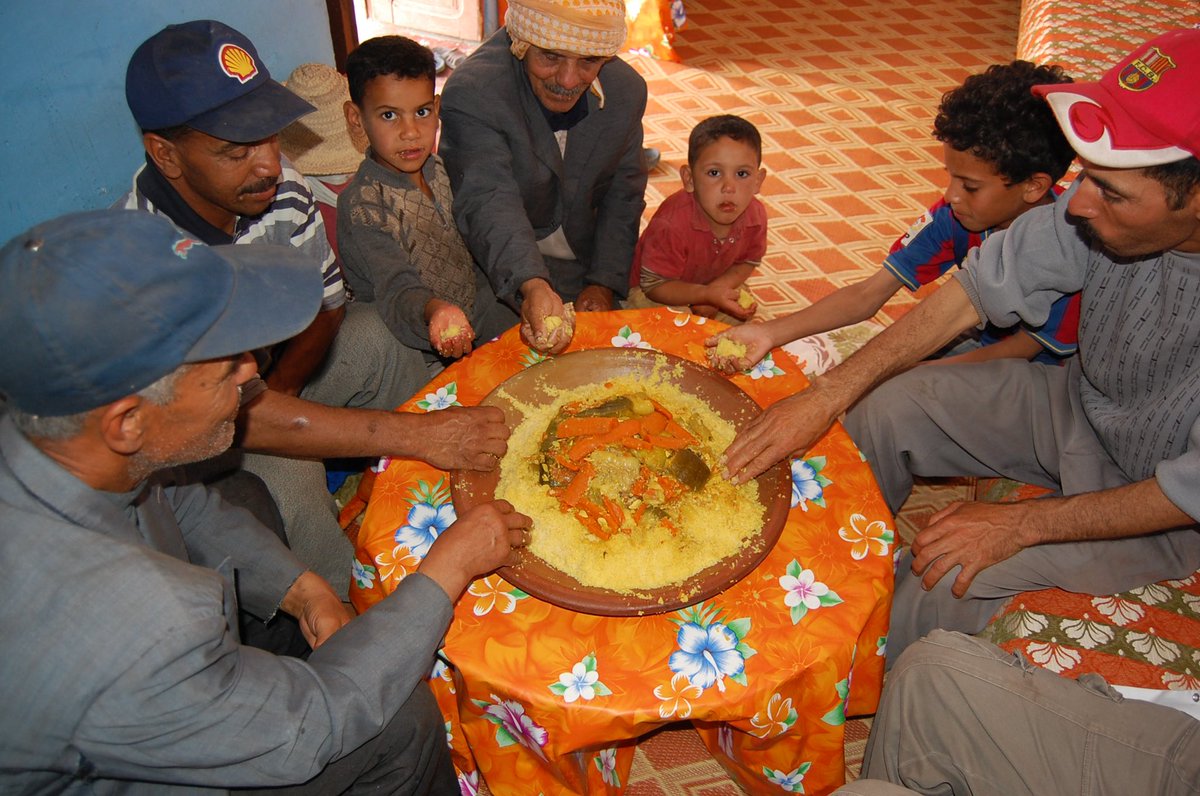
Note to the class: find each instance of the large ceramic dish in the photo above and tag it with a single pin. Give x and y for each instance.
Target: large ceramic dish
(596, 366)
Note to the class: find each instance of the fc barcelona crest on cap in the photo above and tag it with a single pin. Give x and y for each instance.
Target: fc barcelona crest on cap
(1145, 70)
(237, 63)
(1142, 112)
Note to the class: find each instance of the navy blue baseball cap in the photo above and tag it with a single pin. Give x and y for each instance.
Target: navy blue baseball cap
(206, 75)
(96, 306)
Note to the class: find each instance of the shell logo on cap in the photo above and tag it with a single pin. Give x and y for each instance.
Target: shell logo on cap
(1145, 70)
(237, 63)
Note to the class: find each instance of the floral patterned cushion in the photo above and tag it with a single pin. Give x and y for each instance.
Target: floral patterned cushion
(1148, 637)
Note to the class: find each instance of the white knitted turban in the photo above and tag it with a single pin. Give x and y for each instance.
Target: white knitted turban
(580, 27)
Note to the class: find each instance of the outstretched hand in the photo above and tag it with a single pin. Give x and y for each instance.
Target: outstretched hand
(973, 536)
(788, 428)
(464, 438)
(754, 336)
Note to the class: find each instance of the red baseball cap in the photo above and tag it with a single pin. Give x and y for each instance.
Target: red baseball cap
(1145, 111)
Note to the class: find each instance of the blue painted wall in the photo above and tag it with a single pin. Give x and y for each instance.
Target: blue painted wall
(67, 141)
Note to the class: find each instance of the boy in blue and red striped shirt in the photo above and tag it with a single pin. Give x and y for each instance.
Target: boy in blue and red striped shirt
(1004, 154)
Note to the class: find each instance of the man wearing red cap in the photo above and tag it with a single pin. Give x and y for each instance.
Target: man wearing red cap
(1115, 430)
(1116, 433)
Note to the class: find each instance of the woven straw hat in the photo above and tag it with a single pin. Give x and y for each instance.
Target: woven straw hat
(321, 142)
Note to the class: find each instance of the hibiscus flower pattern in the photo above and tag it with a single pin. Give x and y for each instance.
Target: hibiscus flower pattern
(710, 650)
(430, 513)
(493, 594)
(867, 537)
(808, 485)
(677, 696)
(444, 398)
(582, 682)
(512, 698)
(628, 338)
(791, 781)
(513, 725)
(395, 564)
(804, 593)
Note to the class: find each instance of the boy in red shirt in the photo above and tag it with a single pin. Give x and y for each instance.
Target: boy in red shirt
(705, 240)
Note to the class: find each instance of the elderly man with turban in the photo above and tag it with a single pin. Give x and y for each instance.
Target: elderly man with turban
(542, 138)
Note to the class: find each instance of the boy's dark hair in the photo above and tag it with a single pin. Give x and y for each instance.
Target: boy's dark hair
(1179, 179)
(397, 56)
(996, 118)
(725, 126)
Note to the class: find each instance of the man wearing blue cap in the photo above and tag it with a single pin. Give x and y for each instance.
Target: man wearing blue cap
(210, 116)
(122, 671)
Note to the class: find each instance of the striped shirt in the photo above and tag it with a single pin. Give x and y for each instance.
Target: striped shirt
(292, 219)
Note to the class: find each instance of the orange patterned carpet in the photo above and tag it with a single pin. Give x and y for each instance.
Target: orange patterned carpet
(843, 92)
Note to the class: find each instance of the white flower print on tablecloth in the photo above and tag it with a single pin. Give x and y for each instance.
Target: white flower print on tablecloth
(444, 398)
(804, 593)
(582, 682)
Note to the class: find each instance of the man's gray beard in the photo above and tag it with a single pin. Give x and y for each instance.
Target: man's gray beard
(142, 466)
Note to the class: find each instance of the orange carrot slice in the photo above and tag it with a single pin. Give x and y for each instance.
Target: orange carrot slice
(578, 486)
(584, 426)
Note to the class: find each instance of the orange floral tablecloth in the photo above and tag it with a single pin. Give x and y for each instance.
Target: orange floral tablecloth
(540, 699)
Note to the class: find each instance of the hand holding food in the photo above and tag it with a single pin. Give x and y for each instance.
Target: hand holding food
(738, 348)
(450, 332)
(729, 301)
(547, 325)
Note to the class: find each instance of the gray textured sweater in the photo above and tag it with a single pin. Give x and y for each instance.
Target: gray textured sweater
(1139, 337)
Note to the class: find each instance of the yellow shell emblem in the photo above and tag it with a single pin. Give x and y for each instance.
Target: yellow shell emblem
(236, 62)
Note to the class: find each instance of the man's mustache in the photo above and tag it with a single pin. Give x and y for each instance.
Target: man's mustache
(260, 186)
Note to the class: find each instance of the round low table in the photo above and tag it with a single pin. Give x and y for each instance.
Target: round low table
(542, 699)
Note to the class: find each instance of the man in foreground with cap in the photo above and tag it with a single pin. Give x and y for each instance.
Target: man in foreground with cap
(542, 139)
(1115, 431)
(210, 115)
(122, 671)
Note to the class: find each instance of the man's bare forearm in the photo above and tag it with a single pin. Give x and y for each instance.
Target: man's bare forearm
(924, 329)
(1136, 509)
(289, 426)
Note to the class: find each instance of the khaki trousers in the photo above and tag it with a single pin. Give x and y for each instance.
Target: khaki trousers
(960, 716)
